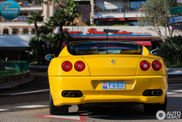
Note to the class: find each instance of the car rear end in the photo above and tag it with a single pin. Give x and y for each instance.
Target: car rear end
(97, 72)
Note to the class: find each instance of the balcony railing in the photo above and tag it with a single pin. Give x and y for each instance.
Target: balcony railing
(18, 19)
(28, 4)
(118, 8)
(10, 68)
(17, 28)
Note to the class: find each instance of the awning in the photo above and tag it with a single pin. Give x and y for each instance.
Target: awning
(15, 40)
(144, 43)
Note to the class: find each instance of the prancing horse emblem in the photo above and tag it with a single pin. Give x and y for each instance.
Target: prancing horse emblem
(112, 61)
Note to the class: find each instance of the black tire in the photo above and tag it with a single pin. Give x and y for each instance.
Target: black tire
(54, 110)
(153, 108)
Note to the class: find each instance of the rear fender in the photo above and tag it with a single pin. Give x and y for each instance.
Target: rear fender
(55, 67)
(150, 58)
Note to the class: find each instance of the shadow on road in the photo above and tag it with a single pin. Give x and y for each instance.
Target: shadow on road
(126, 111)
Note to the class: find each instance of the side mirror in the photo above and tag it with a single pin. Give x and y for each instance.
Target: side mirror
(49, 57)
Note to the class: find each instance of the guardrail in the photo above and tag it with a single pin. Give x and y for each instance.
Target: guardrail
(10, 68)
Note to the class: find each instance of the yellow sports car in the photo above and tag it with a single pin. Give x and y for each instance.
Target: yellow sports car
(106, 72)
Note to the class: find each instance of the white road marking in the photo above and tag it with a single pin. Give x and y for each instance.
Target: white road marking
(80, 117)
(177, 90)
(22, 93)
(171, 93)
(70, 117)
(4, 110)
(32, 106)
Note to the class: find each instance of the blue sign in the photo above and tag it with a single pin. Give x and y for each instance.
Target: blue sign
(176, 19)
(49, 57)
(10, 10)
(173, 20)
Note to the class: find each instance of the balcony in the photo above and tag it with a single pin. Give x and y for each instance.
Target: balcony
(18, 25)
(26, 6)
(117, 11)
(20, 18)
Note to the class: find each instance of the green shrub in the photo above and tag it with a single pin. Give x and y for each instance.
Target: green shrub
(121, 25)
(5, 31)
(15, 31)
(176, 66)
(38, 49)
(171, 50)
(25, 30)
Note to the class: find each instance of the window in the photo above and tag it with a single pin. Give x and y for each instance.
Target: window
(135, 5)
(91, 48)
(25, 3)
(19, 18)
(24, 18)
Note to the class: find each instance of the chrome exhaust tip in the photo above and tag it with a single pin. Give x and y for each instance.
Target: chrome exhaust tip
(65, 94)
(71, 94)
(154, 93)
(159, 92)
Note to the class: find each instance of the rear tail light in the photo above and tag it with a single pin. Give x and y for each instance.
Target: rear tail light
(145, 65)
(79, 66)
(156, 65)
(66, 66)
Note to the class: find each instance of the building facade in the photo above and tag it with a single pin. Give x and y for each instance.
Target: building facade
(120, 15)
(116, 12)
(15, 34)
(20, 22)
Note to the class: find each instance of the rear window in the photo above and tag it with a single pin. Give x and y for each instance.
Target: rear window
(104, 48)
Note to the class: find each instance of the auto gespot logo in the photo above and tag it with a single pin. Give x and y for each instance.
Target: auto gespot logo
(10, 9)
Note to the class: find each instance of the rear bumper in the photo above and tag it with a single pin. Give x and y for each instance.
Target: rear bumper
(91, 87)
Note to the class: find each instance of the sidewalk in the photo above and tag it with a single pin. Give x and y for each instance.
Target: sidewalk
(174, 71)
(171, 71)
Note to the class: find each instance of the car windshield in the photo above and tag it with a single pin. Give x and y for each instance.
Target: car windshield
(104, 48)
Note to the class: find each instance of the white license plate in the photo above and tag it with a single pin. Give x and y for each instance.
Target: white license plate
(113, 85)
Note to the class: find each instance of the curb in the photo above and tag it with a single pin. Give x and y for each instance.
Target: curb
(38, 66)
(174, 71)
(15, 83)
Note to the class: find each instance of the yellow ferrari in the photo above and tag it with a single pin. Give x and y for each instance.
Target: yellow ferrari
(106, 72)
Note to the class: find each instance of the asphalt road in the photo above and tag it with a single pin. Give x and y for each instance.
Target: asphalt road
(30, 102)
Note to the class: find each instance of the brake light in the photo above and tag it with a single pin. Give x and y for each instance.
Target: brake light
(66, 66)
(145, 65)
(156, 65)
(79, 66)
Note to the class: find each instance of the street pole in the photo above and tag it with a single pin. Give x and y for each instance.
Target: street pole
(109, 30)
(47, 49)
(107, 33)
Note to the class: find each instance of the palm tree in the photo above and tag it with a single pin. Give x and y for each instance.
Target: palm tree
(65, 15)
(72, 12)
(34, 17)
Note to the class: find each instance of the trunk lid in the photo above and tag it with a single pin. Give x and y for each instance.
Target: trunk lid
(115, 65)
